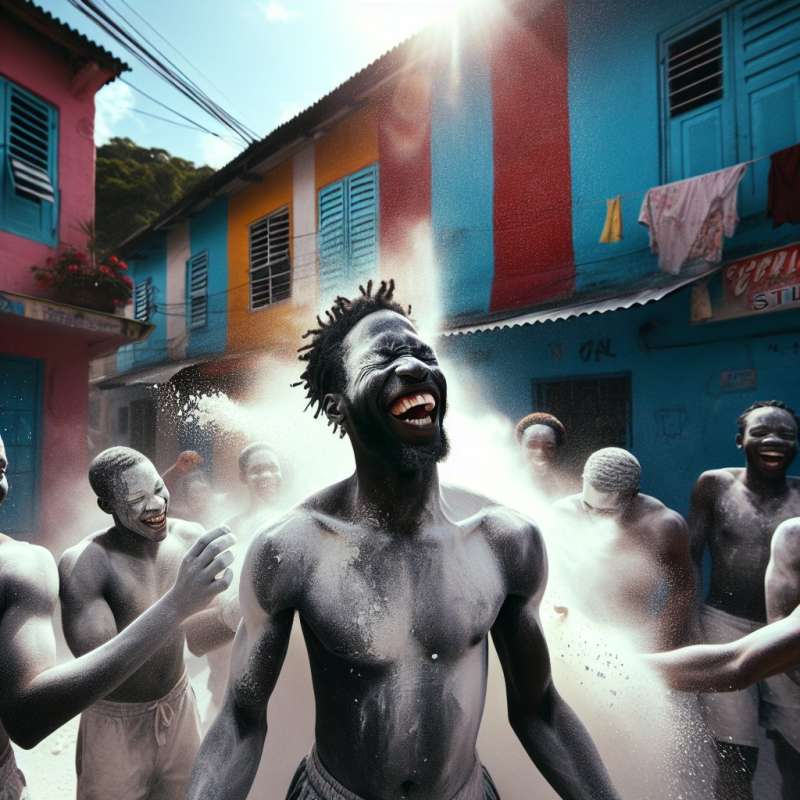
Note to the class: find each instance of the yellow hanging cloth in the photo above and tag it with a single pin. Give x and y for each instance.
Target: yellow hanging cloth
(612, 229)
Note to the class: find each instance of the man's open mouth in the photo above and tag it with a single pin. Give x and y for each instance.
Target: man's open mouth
(156, 523)
(414, 409)
(772, 458)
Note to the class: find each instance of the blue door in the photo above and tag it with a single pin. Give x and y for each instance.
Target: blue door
(20, 427)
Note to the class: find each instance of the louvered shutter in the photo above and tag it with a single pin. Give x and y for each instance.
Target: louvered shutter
(197, 290)
(29, 165)
(362, 197)
(143, 300)
(767, 45)
(270, 264)
(332, 237)
(698, 105)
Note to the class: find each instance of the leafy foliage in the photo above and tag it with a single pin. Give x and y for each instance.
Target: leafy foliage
(134, 185)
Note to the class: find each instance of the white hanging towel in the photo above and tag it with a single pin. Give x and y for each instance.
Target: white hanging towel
(687, 219)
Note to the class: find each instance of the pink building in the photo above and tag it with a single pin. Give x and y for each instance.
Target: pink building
(49, 74)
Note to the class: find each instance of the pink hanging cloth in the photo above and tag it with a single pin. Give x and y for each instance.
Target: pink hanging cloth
(687, 219)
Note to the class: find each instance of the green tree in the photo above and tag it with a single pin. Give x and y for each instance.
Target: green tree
(134, 185)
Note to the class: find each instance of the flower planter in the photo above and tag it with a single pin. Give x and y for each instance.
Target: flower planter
(86, 297)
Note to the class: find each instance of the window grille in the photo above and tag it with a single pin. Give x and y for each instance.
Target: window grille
(270, 265)
(694, 69)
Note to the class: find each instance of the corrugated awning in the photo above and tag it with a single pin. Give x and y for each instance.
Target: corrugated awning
(650, 290)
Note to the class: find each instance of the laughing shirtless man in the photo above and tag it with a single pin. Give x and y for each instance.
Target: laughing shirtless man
(37, 697)
(734, 512)
(395, 601)
(140, 740)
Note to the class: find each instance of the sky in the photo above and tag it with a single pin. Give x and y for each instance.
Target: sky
(263, 61)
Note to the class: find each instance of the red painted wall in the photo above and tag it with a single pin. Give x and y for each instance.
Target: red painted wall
(63, 483)
(404, 144)
(33, 63)
(533, 258)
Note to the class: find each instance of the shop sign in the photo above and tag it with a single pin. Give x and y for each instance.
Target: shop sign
(737, 380)
(762, 283)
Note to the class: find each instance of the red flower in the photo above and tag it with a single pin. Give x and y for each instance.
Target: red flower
(73, 268)
(126, 280)
(106, 270)
(122, 265)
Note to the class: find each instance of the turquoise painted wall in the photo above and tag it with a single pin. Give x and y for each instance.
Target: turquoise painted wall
(674, 367)
(616, 134)
(208, 231)
(462, 184)
(149, 260)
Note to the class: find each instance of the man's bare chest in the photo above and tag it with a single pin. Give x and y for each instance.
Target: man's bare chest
(745, 521)
(134, 584)
(382, 608)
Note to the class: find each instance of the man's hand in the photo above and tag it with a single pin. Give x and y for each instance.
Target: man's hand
(197, 583)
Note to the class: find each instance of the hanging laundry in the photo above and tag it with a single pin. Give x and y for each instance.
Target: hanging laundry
(687, 219)
(783, 200)
(612, 229)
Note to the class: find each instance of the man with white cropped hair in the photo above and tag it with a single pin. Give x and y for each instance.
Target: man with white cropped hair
(635, 569)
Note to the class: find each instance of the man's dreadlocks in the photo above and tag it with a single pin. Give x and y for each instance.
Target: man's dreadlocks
(324, 372)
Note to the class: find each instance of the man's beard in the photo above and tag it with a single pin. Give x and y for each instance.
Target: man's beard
(414, 458)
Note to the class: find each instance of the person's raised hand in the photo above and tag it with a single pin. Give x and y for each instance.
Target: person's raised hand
(199, 579)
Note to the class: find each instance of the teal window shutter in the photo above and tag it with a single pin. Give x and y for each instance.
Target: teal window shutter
(767, 46)
(332, 237)
(348, 231)
(29, 171)
(698, 106)
(197, 290)
(362, 197)
(270, 262)
(143, 300)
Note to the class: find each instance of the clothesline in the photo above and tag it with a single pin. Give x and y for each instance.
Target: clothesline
(640, 192)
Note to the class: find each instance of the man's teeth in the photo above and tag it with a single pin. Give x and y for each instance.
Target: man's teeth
(404, 404)
(422, 421)
(156, 522)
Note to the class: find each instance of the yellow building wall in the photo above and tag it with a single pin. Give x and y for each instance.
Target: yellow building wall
(349, 145)
(276, 328)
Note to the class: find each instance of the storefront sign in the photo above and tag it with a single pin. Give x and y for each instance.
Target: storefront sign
(737, 380)
(762, 283)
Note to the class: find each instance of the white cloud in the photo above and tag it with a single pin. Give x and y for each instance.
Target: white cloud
(276, 11)
(113, 104)
(217, 152)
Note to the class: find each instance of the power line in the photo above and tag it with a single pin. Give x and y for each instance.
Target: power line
(132, 45)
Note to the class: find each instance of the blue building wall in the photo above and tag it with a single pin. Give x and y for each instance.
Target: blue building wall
(683, 421)
(617, 137)
(208, 231)
(462, 184)
(149, 261)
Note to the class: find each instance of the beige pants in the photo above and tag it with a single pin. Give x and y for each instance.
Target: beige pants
(313, 782)
(12, 782)
(138, 751)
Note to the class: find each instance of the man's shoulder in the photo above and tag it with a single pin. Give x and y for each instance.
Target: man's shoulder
(517, 541)
(720, 478)
(28, 572)
(85, 561)
(786, 541)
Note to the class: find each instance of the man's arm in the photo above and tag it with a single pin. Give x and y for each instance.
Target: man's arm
(701, 516)
(229, 756)
(37, 697)
(782, 582)
(679, 624)
(552, 735)
(769, 651)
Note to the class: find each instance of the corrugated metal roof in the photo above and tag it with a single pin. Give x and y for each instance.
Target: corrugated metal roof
(649, 291)
(71, 39)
